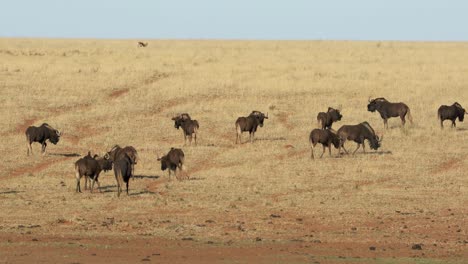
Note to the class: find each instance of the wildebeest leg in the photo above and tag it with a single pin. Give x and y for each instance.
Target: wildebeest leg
(403, 121)
(44, 145)
(329, 149)
(195, 135)
(78, 187)
(127, 187)
(441, 124)
(85, 182)
(358, 146)
(453, 123)
(312, 145)
(98, 185)
(323, 151)
(169, 174)
(364, 146)
(92, 185)
(190, 139)
(385, 123)
(185, 139)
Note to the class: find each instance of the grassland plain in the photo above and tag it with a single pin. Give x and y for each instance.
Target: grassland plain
(266, 202)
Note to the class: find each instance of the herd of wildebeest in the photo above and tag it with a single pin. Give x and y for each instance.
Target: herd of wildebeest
(123, 160)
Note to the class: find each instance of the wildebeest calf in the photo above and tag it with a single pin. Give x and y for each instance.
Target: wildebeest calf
(189, 127)
(451, 113)
(41, 134)
(325, 120)
(172, 160)
(326, 137)
(91, 167)
(250, 124)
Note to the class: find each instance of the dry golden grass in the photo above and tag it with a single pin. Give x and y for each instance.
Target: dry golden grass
(102, 92)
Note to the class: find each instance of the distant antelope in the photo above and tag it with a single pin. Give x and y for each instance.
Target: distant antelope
(142, 45)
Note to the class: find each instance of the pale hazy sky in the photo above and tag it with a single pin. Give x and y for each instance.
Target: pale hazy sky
(237, 19)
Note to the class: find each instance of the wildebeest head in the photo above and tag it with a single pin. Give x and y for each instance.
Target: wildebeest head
(374, 104)
(164, 162)
(105, 163)
(461, 111)
(260, 117)
(180, 119)
(374, 140)
(335, 114)
(335, 139)
(54, 134)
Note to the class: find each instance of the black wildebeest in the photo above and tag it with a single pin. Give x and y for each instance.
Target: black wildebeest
(117, 153)
(249, 123)
(189, 127)
(387, 109)
(325, 120)
(142, 44)
(123, 172)
(326, 137)
(451, 113)
(91, 167)
(172, 160)
(41, 134)
(358, 133)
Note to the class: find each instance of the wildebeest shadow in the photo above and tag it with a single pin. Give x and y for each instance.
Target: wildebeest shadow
(462, 129)
(146, 177)
(271, 139)
(11, 192)
(141, 192)
(388, 152)
(65, 154)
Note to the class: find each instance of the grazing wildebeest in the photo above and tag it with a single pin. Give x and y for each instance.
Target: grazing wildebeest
(325, 120)
(358, 133)
(91, 167)
(42, 134)
(123, 172)
(452, 113)
(142, 44)
(172, 160)
(387, 110)
(189, 127)
(326, 137)
(249, 123)
(117, 152)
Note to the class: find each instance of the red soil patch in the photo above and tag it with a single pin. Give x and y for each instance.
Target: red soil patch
(283, 118)
(21, 128)
(447, 165)
(118, 93)
(34, 169)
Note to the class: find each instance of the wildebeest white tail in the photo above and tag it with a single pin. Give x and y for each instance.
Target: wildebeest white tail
(410, 118)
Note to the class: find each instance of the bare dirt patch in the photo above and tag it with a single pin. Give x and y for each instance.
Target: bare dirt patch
(118, 93)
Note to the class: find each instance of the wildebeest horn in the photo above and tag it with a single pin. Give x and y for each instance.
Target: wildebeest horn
(369, 99)
(106, 156)
(266, 116)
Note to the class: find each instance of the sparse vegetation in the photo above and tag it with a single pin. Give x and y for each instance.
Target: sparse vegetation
(107, 92)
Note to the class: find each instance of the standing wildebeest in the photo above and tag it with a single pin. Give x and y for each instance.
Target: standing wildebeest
(41, 134)
(358, 133)
(172, 160)
(123, 172)
(250, 124)
(189, 127)
(326, 137)
(451, 112)
(91, 167)
(142, 44)
(325, 120)
(387, 110)
(117, 153)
